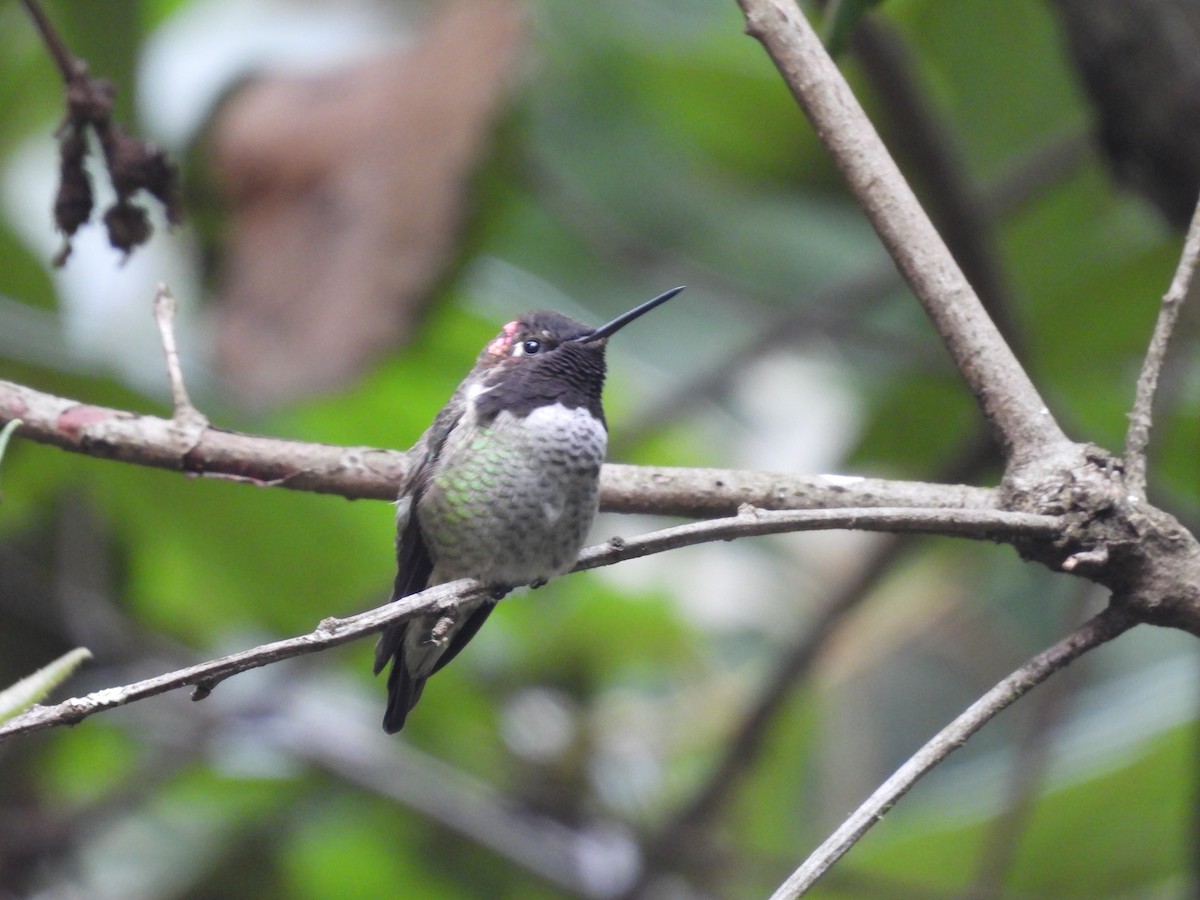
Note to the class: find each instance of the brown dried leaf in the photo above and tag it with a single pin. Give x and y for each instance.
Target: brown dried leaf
(348, 193)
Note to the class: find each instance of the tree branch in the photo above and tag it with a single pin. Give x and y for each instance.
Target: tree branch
(367, 472)
(977, 524)
(1098, 630)
(1137, 439)
(1009, 400)
(446, 598)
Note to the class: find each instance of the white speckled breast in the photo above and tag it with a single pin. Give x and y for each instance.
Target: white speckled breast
(512, 503)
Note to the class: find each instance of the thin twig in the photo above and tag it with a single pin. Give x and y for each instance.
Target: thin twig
(164, 316)
(444, 598)
(204, 676)
(6, 432)
(1013, 407)
(1098, 630)
(977, 524)
(1137, 439)
(69, 65)
(1031, 756)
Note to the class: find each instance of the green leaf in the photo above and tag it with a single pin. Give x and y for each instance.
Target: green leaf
(35, 687)
(5, 434)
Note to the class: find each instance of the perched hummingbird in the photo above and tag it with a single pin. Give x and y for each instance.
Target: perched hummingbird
(503, 487)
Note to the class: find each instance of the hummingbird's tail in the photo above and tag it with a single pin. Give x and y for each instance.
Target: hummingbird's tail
(404, 690)
(415, 654)
(404, 686)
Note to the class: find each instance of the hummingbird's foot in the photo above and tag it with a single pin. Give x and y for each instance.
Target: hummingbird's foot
(538, 583)
(499, 591)
(441, 631)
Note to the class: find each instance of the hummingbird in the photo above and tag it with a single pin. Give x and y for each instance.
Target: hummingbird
(502, 487)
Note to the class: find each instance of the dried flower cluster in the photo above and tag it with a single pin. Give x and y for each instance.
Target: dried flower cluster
(132, 165)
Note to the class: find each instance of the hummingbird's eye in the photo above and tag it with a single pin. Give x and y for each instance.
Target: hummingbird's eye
(530, 347)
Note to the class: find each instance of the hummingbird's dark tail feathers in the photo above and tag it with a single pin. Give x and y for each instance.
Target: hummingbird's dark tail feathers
(404, 684)
(404, 690)
(388, 646)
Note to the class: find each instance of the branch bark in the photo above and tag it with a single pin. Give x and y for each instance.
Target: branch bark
(373, 473)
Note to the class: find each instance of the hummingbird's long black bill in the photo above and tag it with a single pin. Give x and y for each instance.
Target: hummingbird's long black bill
(625, 318)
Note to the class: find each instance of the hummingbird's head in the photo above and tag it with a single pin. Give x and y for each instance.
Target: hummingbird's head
(544, 334)
(546, 357)
(544, 331)
(538, 360)
(536, 335)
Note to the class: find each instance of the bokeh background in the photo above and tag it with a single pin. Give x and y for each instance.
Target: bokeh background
(371, 188)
